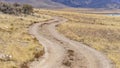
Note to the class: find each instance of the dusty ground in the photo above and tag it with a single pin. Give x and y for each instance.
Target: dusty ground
(62, 52)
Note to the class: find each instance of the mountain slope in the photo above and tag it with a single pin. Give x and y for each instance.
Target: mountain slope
(40, 3)
(71, 3)
(91, 3)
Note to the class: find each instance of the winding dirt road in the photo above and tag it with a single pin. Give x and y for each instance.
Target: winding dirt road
(61, 52)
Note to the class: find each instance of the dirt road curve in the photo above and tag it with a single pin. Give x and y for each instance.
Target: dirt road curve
(61, 52)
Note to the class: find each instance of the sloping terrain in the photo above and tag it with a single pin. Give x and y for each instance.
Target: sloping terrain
(62, 52)
(71, 3)
(40, 3)
(17, 46)
(90, 3)
(97, 31)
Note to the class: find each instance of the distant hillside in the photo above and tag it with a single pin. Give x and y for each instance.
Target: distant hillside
(40, 3)
(71, 3)
(90, 3)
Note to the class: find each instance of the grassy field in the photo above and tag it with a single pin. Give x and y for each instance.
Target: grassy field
(17, 46)
(97, 31)
(91, 10)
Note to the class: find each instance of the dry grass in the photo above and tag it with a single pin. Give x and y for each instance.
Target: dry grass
(15, 40)
(97, 31)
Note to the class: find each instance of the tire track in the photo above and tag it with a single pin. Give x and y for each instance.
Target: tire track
(61, 52)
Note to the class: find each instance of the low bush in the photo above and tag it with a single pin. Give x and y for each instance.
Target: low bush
(15, 8)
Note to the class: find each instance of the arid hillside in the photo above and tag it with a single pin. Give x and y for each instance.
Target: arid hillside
(39, 3)
(17, 46)
(71, 3)
(34, 38)
(97, 31)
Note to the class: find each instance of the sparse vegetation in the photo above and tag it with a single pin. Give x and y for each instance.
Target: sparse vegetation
(97, 31)
(19, 47)
(27, 9)
(15, 8)
(16, 44)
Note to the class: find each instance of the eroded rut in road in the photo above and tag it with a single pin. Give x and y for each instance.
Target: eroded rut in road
(62, 52)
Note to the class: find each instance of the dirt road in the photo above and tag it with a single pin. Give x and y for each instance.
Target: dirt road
(61, 52)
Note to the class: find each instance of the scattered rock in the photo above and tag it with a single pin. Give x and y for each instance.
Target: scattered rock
(4, 57)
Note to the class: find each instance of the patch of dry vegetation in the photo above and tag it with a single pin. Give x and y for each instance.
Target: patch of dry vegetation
(15, 8)
(17, 46)
(97, 31)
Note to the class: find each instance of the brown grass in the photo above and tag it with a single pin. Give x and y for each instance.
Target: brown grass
(16, 41)
(97, 31)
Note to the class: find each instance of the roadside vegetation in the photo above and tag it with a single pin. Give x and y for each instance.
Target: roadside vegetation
(97, 31)
(17, 46)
